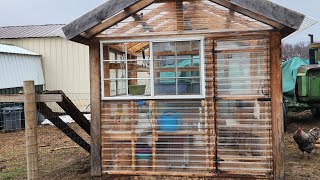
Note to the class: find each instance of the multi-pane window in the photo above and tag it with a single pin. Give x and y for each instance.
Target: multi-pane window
(152, 69)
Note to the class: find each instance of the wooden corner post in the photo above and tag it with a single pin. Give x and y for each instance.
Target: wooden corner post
(276, 106)
(30, 110)
(95, 93)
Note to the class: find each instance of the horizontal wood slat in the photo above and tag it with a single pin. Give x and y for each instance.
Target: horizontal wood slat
(39, 98)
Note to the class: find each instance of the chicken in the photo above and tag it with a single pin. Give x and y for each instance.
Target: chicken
(306, 141)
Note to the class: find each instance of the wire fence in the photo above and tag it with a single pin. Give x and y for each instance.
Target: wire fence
(60, 140)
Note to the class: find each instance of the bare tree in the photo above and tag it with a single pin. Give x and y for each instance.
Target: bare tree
(300, 49)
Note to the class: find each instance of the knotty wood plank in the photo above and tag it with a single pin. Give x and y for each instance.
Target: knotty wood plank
(96, 16)
(72, 110)
(117, 18)
(179, 15)
(95, 93)
(52, 117)
(276, 106)
(265, 11)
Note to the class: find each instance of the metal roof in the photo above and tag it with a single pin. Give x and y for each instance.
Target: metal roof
(32, 31)
(10, 49)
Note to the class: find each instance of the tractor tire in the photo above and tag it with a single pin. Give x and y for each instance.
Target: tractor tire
(315, 112)
(285, 119)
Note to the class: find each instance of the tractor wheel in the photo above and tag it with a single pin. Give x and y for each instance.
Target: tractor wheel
(285, 120)
(315, 112)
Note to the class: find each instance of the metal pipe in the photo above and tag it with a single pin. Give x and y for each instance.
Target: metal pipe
(311, 37)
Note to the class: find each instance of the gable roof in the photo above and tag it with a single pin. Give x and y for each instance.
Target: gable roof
(10, 49)
(113, 11)
(31, 31)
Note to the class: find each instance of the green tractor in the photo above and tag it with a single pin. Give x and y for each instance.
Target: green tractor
(301, 88)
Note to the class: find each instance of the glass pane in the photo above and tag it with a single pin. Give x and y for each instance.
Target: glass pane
(139, 87)
(138, 69)
(188, 86)
(163, 48)
(187, 47)
(114, 51)
(115, 88)
(177, 61)
(138, 50)
(165, 69)
(165, 86)
(114, 70)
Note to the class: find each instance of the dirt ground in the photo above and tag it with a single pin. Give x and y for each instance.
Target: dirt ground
(60, 158)
(297, 167)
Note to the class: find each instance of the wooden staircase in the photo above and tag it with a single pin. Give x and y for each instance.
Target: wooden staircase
(71, 110)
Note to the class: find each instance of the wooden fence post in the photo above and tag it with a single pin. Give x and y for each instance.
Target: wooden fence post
(30, 111)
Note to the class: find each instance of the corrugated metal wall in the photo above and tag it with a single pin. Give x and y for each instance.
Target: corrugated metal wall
(16, 68)
(65, 65)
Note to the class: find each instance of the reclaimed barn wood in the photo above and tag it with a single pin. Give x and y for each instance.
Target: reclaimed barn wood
(276, 101)
(95, 108)
(186, 87)
(95, 17)
(115, 19)
(60, 124)
(267, 12)
(30, 111)
(67, 105)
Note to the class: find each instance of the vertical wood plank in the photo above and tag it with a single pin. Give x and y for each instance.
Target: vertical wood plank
(276, 107)
(95, 93)
(154, 136)
(210, 70)
(30, 110)
(106, 69)
(133, 135)
(179, 12)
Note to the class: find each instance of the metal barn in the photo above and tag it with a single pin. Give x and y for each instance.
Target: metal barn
(186, 87)
(64, 62)
(17, 65)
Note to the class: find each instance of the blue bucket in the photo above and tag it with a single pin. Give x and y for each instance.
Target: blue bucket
(170, 121)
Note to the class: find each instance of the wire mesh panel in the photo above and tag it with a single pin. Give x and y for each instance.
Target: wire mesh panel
(61, 143)
(12, 142)
(160, 136)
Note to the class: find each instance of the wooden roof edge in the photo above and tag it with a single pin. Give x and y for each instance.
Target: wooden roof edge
(267, 12)
(285, 20)
(95, 17)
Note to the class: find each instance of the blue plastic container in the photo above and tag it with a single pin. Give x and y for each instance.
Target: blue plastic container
(170, 121)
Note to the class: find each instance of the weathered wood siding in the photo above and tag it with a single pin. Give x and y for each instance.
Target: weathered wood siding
(226, 134)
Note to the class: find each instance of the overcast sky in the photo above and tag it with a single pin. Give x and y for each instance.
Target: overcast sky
(29, 12)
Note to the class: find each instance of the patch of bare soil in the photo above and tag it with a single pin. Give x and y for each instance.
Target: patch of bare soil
(61, 159)
(297, 166)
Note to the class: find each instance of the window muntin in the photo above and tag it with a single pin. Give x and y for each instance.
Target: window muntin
(166, 69)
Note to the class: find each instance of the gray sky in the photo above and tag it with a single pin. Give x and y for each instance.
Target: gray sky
(29, 12)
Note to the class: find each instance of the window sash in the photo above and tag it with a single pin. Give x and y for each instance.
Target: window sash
(201, 76)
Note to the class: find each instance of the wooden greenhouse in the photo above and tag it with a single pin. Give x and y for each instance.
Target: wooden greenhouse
(186, 87)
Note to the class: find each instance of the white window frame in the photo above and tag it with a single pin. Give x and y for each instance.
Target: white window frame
(152, 96)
